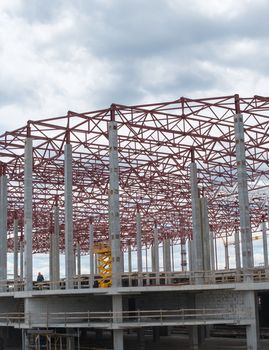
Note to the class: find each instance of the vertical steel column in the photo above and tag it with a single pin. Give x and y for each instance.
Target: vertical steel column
(139, 248)
(28, 212)
(114, 208)
(265, 246)
(91, 251)
(246, 236)
(197, 245)
(55, 247)
(68, 182)
(3, 229)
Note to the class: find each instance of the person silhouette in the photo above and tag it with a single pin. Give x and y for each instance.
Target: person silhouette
(40, 277)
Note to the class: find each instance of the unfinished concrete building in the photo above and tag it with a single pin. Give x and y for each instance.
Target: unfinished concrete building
(132, 182)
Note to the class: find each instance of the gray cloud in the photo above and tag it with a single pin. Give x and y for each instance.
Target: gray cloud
(82, 55)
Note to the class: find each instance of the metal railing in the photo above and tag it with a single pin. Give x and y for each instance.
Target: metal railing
(144, 279)
(178, 316)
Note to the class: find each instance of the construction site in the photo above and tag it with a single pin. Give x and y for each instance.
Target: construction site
(146, 193)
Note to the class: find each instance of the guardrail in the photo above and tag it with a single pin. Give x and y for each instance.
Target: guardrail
(148, 279)
(179, 316)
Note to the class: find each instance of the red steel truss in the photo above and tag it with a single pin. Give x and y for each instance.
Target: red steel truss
(156, 142)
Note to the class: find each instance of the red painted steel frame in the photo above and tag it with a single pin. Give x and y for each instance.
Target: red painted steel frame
(156, 142)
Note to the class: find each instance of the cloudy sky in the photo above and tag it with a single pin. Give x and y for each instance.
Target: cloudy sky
(85, 54)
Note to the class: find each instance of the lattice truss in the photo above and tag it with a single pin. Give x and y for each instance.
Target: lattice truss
(155, 146)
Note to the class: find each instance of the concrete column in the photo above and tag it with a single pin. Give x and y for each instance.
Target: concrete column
(226, 250)
(15, 266)
(190, 256)
(194, 337)
(117, 318)
(96, 269)
(91, 253)
(252, 330)
(183, 254)
(216, 253)
(167, 260)
(237, 249)
(28, 213)
(21, 259)
(78, 264)
(56, 248)
(196, 226)
(139, 248)
(166, 255)
(50, 258)
(129, 259)
(156, 266)
(212, 252)
(205, 233)
(69, 250)
(3, 231)
(246, 236)
(265, 246)
(114, 208)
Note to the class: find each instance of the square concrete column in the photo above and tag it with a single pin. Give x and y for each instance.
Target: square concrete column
(68, 184)
(245, 226)
(155, 254)
(265, 245)
(3, 230)
(91, 253)
(139, 248)
(15, 250)
(252, 330)
(197, 245)
(114, 206)
(183, 254)
(28, 213)
(55, 248)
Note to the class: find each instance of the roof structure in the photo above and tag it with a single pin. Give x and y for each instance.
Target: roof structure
(156, 144)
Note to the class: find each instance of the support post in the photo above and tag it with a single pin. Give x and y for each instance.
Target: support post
(78, 264)
(183, 254)
(245, 227)
(129, 259)
(15, 266)
(265, 246)
(91, 251)
(114, 209)
(156, 266)
(21, 259)
(69, 250)
(167, 260)
(139, 248)
(3, 230)
(212, 251)
(196, 225)
(28, 213)
(205, 233)
(226, 248)
(55, 248)
(117, 318)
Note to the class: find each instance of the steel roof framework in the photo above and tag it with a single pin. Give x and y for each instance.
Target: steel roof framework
(156, 145)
